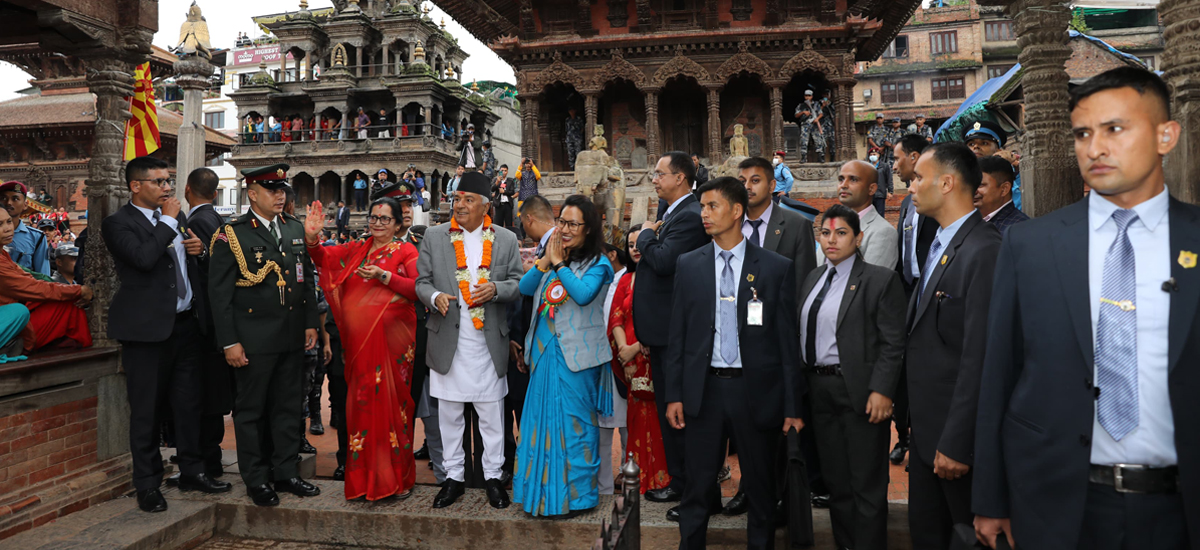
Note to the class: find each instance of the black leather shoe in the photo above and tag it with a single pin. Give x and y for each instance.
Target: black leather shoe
(506, 479)
(316, 428)
(666, 494)
(449, 493)
(897, 454)
(820, 501)
(263, 495)
(173, 480)
(496, 494)
(673, 513)
(203, 483)
(307, 448)
(736, 505)
(422, 453)
(339, 474)
(151, 500)
(298, 487)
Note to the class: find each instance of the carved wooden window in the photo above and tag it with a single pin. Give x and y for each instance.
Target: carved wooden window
(947, 88)
(674, 14)
(800, 9)
(994, 71)
(897, 92)
(618, 13)
(943, 42)
(898, 48)
(559, 17)
(741, 10)
(998, 31)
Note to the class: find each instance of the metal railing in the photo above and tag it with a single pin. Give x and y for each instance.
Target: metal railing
(623, 531)
(349, 133)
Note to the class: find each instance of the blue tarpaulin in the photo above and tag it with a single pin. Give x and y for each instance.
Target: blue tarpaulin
(976, 102)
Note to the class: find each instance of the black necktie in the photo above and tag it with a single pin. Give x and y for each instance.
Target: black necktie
(754, 235)
(810, 339)
(180, 284)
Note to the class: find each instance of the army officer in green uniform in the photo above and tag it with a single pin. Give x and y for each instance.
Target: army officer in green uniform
(264, 304)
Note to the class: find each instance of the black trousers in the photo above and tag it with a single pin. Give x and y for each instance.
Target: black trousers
(726, 410)
(1131, 521)
(854, 454)
(337, 416)
(158, 373)
(673, 440)
(268, 405)
(514, 402)
(218, 402)
(504, 212)
(360, 199)
(935, 505)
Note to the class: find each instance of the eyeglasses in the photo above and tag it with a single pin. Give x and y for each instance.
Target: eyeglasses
(567, 224)
(381, 220)
(160, 182)
(658, 175)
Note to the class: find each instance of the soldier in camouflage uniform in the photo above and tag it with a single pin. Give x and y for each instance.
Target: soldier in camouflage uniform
(877, 134)
(923, 130)
(808, 117)
(574, 136)
(489, 160)
(829, 124)
(263, 292)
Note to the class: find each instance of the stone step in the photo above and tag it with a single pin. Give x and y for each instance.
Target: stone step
(412, 524)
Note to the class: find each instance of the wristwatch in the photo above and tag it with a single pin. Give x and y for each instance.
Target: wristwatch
(559, 265)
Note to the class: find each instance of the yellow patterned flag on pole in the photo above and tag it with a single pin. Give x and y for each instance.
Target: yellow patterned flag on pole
(141, 132)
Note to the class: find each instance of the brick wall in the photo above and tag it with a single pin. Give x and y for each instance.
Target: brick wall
(52, 462)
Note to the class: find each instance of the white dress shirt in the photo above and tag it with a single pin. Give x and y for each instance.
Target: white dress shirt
(943, 237)
(1152, 443)
(735, 263)
(748, 229)
(827, 316)
(910, 242)
(185, 303)
(671, 208)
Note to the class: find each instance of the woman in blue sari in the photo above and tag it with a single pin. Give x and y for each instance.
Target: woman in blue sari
(558, 452)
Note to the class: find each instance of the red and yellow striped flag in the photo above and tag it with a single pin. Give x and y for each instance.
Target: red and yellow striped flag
(141, 132)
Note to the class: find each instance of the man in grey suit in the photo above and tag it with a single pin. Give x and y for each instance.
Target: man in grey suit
(857, 181)
(467, 352)
(852, 327)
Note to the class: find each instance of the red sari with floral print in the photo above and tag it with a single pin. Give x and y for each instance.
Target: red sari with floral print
(645, 434)
(377, 323)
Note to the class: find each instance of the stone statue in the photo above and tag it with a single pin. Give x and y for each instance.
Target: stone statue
(739, 146)
(599, 177)
(598, 142)
(193, 34)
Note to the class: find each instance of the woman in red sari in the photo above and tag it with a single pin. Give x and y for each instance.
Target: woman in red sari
(631, 366)
(370, 287)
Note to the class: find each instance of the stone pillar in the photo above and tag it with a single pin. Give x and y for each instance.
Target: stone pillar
(317, 126)
(383, 68)
(308, 73)
(715, 153)
(192, 73)
(776, 118)
(1181, 66)
(844, 125)
(1050, 176)
(590, 101)
(345, 197)
(358, 62)
(239, 190)
(652, 147)
(344, 131)
(283, 67)
(528, 125)
(111, 79)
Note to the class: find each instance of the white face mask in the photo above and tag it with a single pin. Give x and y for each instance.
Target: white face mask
(775, 161)
(874, 158)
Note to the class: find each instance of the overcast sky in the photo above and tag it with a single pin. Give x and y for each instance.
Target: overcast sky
(227, 18)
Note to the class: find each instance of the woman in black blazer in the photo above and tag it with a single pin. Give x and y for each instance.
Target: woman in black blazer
(852, 343)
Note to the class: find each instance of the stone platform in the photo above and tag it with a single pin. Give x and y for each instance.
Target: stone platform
(329, 519)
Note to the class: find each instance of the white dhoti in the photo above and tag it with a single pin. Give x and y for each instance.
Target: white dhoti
(471, 379)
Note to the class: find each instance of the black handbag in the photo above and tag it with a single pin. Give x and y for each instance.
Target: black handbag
(798, 498)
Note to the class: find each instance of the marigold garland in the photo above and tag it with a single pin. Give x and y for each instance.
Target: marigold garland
(463, 275)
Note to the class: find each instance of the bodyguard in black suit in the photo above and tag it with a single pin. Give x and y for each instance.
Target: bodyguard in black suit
(679, 232)
(157, 317)
(852, 327)
(217, 375)
(994, 197)
(731, 364)
(1089, 426)
(947, 329)
(914, 233)
(341, 218)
